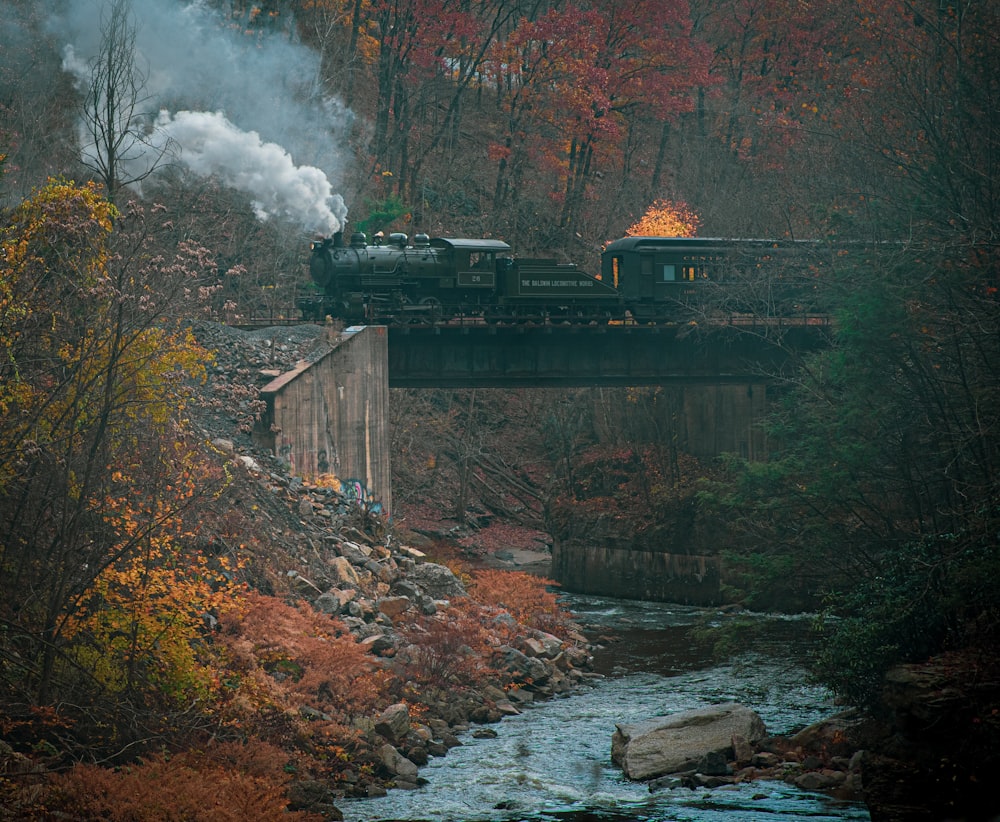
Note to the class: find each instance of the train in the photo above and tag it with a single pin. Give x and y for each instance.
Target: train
(649, 280)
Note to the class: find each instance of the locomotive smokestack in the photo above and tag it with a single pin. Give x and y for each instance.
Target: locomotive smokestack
(338, 239)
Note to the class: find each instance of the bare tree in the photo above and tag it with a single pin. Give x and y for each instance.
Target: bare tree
(116, 139)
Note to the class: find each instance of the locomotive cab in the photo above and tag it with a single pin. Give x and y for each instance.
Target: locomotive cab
(474, 264)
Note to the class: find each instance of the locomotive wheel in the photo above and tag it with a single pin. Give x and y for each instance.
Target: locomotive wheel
(407, 316)
(433, 310)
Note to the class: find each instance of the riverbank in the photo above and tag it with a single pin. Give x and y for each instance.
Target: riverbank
(552, 760)
(403, 747)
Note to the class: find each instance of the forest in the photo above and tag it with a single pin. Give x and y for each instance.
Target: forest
(166, 164)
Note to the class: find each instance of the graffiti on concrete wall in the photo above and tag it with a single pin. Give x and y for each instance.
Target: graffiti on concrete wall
(355, 490)
(352, 490)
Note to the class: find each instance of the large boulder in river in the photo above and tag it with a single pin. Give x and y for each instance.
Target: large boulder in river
(670, 744)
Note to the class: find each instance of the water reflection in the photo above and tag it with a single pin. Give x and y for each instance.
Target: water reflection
(553, 761)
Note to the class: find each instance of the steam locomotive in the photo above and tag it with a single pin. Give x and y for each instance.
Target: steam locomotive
(642, 279)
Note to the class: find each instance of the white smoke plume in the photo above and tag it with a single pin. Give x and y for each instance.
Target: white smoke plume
(211, 145)
(243, 107)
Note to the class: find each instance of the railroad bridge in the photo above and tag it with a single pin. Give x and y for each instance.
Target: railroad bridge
(550, 356)
(330, 415)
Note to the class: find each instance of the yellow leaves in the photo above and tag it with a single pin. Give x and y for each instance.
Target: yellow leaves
(328, 481)
(144, 616)
(53, 248)
(93, 392)
(63, 226)
(665, 218)
(60, 194)
(140, 382)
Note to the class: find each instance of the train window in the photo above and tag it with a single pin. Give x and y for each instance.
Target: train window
(615, 267)
(669, 273)
(482, 261)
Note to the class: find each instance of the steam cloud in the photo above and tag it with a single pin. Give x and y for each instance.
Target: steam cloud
(210, 144)
(237, 106)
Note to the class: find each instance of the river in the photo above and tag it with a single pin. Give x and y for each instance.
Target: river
(553, 761)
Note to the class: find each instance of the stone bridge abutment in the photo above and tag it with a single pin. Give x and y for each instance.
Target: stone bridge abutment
(330, 415)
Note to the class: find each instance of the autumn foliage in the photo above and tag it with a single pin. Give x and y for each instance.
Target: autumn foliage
(98, 477)
(229, 782)
(130, 629)
(280, 656)
(665, 218)
(527, 598)
(451, 649)
(131, 634)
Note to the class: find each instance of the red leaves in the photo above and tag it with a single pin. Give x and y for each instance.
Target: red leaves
(582, 69)
(454, 647)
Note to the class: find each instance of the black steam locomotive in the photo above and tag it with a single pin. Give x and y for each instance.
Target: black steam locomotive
(642, 279)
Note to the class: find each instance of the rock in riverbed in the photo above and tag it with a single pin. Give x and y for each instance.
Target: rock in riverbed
(675, 743)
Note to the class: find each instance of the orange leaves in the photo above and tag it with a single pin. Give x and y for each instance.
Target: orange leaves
(285, 657)
(525, 597)
(142, 627)
(195, 787)
(54, 242)
(450, 648)
(454, 647)
(665, 218)
(495, 152)
(139, 625)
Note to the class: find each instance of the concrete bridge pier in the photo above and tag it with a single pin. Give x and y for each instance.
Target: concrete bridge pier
(724, 418)
(330, 416)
